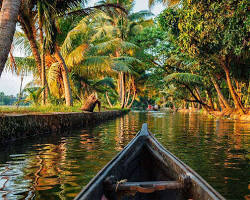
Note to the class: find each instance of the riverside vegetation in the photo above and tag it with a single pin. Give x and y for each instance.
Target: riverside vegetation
(194, 54)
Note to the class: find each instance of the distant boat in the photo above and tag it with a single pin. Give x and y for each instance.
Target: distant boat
(155, 107)
(145, 170)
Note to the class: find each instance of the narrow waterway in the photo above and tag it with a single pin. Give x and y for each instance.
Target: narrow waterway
(58, 166)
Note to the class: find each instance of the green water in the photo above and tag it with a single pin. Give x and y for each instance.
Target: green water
(58, 166)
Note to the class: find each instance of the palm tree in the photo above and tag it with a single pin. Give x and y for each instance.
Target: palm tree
(8, 19)
(34, 95)
(151, 3)
(50, 10)
(118, 30)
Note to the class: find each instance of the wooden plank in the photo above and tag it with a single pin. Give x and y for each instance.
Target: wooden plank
(143, 187)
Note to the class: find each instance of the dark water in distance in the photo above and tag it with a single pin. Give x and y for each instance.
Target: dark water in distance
(58, 166)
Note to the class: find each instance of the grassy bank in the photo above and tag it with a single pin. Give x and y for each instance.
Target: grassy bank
(45, 109)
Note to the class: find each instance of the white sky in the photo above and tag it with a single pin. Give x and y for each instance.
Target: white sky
(10, 84)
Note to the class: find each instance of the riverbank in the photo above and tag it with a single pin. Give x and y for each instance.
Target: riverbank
(219, 114)
(42, 109)
(17, 126)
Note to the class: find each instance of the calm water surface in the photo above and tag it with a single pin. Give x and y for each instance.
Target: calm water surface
(58, 166)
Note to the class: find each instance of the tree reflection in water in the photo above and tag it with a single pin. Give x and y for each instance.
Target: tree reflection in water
(58, 166)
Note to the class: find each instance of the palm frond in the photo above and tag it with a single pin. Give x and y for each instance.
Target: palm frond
(76, 57)
(81, 28)
(116, 8)
(107, 81)
(21, 43)
(22, 65)
(151, 3)
(186, 78)
(143, 14)
(120, 66)
(97, 61)
(128, 59)
(53, 72)
(113, 45)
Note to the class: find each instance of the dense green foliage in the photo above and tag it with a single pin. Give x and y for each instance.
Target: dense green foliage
(194, 54)
(211, 39)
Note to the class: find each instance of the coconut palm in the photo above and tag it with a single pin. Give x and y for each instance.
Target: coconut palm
(50, 11)
(112, 35)
(151, 3)
(33, 95)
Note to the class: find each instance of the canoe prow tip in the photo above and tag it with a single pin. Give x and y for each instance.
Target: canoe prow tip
(144, 130)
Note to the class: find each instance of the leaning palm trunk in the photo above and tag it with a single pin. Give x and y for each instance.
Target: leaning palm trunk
(127, 99)
(64, 69)
(29, 30)
(108, 100)
(222, 105)
(210, 100)
(132, 101)
(8, 19)
(134, 93)
(221, 97)
(235, 97)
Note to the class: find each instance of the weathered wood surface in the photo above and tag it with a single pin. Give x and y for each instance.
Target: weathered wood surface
(90, 103)
(145, 159)
(143, 187)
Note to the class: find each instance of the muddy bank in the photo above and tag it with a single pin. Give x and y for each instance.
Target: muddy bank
(17, 126)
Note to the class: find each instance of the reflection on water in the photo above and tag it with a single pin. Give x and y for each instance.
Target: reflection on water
(58, 166)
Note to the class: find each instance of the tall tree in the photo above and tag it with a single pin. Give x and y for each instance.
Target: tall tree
(165, 2)
(8, 18)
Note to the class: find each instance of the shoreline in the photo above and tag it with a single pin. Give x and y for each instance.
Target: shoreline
(20, 126)
(220, 115)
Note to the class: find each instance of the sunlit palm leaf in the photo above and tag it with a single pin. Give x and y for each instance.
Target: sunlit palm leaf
(151, 3)
(186, 78)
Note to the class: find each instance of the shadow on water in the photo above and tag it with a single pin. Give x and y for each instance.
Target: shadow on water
(58, 166)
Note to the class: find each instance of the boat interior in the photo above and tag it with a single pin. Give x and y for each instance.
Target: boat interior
(142, 165)
(144, 170)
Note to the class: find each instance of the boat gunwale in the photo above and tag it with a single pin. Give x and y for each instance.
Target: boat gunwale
(145, 135)
(104, 171)
(188, 170)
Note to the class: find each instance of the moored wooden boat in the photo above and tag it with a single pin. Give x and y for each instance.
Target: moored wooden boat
(145, 170)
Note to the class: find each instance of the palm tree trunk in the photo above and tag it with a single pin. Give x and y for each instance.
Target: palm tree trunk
(20, 90)
(8, 19)
(43, 76)
(64, 70)
(199, 96)
(122, 88)
(235, 97)
(134, 93)
(133, 98)
(127, 99)
(210, 100)
(221, 97)
(222, 105)
(238, 89)
(27, 28)
(108, 100)
(184, 104)
(197, 99)
(43, 67)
